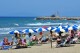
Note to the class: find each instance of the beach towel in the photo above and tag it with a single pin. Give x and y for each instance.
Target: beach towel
(6, 47)
(1, 43)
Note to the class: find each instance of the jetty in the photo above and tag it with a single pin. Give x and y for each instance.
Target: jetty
(57, 18)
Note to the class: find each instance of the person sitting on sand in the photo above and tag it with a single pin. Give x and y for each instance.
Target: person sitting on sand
(24, 38)
(17, 36)
(44, 39)
(58, 41)
(78, 34)
(60, 33)
(6, 42)
(71, 34)
(29, 38)
(21, 44)
(53, 35)
(34, 38)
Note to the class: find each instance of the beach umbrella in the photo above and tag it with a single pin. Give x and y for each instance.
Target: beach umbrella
(63, 27)
(54, 29)
(73, 28)
(40, 29)
(28, 31)
(50, 28)
(15, 31)
(78, 27)
(66, 28)
(59, 26)
(59, 30)
(75, 25)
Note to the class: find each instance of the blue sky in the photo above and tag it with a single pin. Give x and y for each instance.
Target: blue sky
(39, 7)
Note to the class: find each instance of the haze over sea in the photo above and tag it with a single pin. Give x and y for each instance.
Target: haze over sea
(20, 23)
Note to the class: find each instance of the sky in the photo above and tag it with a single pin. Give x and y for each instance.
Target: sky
(39, 7)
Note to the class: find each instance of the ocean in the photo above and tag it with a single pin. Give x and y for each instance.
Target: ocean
(20, 23)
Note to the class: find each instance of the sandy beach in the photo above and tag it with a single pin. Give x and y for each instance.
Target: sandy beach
(45, 48)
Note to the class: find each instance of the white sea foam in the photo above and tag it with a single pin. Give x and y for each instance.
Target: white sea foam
(77, 21)
(39, 24)
(6, 30)
(16, 24)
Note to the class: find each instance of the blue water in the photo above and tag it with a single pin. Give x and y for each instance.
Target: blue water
(20, 23)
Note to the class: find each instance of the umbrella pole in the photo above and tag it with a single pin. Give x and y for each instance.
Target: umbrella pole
(51, 43)
(51, 37)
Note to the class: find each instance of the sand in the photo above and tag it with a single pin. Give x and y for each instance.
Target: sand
(45, 48)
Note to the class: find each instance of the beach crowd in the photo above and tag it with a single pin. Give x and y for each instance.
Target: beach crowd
(61, 38)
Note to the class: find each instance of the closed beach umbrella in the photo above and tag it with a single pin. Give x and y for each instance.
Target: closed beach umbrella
(15, 31)
(28, 31)
(40, 29)
(50, 28)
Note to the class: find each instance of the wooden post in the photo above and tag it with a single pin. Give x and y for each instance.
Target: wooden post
(51, 40)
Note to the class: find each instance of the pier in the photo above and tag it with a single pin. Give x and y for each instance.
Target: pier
(57, 18)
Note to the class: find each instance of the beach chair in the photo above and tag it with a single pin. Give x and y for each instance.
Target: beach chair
(64, 43)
